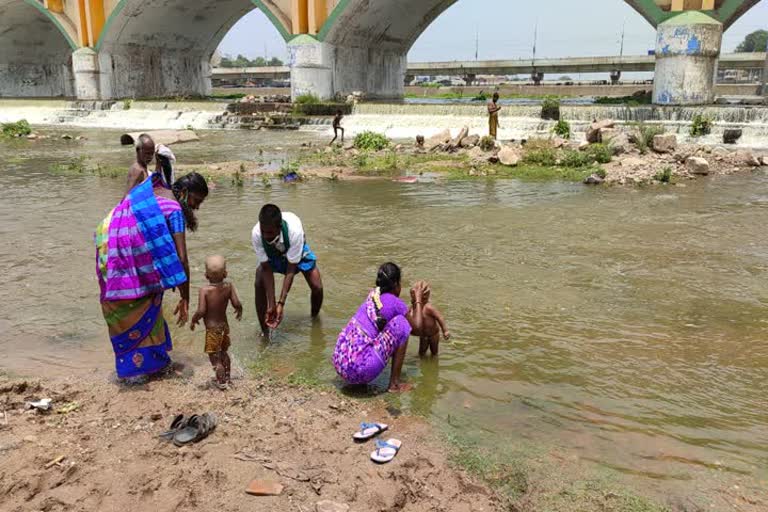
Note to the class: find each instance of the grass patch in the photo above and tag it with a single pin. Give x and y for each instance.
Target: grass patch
(18, 129)
(701, 125)
(644, 134)
(664, 175)
(371, 141)
(307, 99)
(81, 165)
(562, 129)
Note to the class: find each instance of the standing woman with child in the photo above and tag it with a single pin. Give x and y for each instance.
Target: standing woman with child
(141, 251)
(378, 332)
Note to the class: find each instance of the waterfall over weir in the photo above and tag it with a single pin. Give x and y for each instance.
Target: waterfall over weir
(404, 121)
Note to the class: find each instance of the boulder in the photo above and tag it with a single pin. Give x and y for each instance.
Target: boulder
(731, 135)
(720, 152)
(697, 165)
(166, 137)
(508, 156)
(665, 143)
(476, 154)
(444, 137)
(595, 130)
(420, 141)
(593, 179)
(470, 140)
(456, 141)
(618, 140)
(558, 142)
(583, 145)
(764, 160)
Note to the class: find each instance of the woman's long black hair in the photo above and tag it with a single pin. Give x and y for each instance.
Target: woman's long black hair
(387, 280)
(192, 182)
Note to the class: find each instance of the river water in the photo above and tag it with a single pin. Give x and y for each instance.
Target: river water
(624, 325)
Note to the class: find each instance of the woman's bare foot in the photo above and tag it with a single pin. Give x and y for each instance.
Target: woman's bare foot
(402, 387)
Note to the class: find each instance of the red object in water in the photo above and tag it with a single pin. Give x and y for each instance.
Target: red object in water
(406, 179)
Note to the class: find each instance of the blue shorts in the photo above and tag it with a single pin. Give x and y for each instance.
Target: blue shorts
(307, 263)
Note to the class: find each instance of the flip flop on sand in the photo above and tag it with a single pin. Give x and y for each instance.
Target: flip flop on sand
(197, 429)
(177, 424)
(386, 451)
(369, 430)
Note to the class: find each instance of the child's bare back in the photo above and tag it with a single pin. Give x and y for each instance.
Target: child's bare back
(432, 322)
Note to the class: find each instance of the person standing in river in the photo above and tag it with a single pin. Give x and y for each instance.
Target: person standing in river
(139, 171)
(281, 247)
(337, 127)
(493, 115)
(141, 251)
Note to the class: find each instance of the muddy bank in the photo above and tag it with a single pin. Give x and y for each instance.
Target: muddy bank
(98, 450)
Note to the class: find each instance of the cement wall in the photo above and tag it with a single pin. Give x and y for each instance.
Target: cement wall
(34, 54)
(328, 71)
(687, 48)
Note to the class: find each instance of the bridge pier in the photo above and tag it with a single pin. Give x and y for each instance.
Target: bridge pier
(687, 50)
(615, 77)
(327, 70)
(537, 77)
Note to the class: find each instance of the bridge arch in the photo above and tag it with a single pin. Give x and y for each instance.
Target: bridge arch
(35, 51)
(157, 48)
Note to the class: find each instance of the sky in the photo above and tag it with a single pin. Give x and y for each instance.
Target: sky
(506, 28)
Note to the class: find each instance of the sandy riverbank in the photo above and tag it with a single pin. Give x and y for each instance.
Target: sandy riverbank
(104, 454)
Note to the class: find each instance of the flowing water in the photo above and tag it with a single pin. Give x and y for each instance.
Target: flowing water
(626, 326)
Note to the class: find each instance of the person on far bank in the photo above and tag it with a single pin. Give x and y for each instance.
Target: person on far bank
(281, 247)
(337, 126)
(493, 115)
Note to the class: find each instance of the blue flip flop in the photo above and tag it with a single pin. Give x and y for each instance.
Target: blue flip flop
(386, 451)
(369, 430)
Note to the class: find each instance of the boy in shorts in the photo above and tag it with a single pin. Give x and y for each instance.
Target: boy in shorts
(212, 308)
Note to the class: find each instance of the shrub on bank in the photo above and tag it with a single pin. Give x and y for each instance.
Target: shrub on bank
(600, 153)
(371, 141)
(17, 129)
(487, 143)
(644, 134)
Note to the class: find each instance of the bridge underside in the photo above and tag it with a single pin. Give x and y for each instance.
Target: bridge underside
(35, 57)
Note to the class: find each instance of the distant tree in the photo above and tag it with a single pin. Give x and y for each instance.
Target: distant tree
(275, 62)
(754, 42)
(565, 78)
(244, 62)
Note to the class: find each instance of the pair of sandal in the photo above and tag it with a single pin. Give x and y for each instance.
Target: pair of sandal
(385, 450)
(190, 429)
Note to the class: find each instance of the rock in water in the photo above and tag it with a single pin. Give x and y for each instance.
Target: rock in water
(420, 141)
(618, 140)
(665, 143)
(331, 506)
(443, 137)
(731, 135)
(697, 165)
(508, 156)
(593, 179)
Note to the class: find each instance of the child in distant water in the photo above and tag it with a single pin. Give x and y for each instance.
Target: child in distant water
(337, 127)
(212, 308)
(432, 322)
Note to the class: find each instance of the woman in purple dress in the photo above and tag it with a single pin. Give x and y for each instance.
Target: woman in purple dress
(378, 331)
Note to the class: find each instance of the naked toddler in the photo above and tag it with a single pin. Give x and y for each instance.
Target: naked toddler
(432, 322)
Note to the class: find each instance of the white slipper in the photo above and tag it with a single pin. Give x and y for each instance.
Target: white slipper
(386, 451)
(369, 430)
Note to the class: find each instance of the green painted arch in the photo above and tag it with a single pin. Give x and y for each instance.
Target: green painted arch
(48, 14)
(282, 29)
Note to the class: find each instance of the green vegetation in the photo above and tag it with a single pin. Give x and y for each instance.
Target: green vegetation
(371, 141)
(17, 129)
(562, 129)
(307, 99)
(127, 104)
(550, 108)
(644, 134)
(237, 178)
(542, 157)
(664, 176)
(481, 96)
(632, 101)
(487, 143)
(754, 42)
(600, 153)
(702, 125)
(244, 62)
(74, 166)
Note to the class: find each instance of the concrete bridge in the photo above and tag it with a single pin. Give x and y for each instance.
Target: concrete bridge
(614, 65)
(106, 49)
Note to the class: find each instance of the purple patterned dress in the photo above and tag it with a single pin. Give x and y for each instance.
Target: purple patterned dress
(362, 351)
